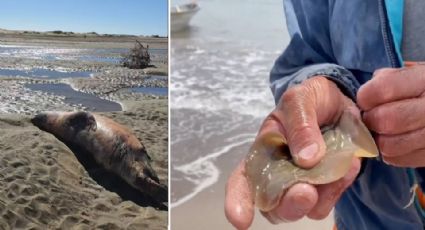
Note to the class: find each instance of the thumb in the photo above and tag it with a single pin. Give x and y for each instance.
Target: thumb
(301, 111)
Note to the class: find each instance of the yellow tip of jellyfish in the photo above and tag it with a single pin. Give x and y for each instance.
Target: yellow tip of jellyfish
(364, 153)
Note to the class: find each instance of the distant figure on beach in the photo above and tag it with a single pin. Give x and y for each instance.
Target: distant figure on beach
(364, 56)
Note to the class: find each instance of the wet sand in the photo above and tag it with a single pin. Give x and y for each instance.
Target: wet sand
(47, 185)
(211, 202)
(217, 107)
(219, 96)
(43, 58)
(210, 171)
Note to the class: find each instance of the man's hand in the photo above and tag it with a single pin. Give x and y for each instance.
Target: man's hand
(298, 116)
(394, 105)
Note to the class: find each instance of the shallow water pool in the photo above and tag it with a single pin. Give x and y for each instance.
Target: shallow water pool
(44, 73)
(92, 102)
(157, 91)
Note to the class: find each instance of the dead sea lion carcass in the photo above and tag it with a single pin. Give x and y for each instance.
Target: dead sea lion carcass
(112, 146)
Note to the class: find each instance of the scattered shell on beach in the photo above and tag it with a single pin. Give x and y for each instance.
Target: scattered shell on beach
(271, 170)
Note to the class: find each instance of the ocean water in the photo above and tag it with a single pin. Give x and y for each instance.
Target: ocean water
(219, 89)
(92, 102)
(57, 53)
(111, 55)
(43, 73)
(150, 90)
(50, 53)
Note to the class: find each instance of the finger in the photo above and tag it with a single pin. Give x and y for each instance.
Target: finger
(239, 206)
(301, 110)
(397, 145)
(413, 159)
(295, 204)
(329, 194)
(391, 85)
(396, 117)
(270, 125)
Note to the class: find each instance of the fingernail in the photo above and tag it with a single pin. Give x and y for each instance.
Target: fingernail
(308, 152)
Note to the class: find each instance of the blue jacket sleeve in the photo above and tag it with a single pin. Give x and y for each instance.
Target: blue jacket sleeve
(309, 52)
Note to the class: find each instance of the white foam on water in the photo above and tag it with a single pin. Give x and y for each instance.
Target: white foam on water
(217, 80)
(217, 71)
(204, 169)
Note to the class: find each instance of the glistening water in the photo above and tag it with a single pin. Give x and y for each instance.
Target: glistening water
(91, 102)
(50, 53)
(219, 88)
(43, 73)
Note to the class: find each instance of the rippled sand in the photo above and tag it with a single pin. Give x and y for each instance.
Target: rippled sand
(45, 186)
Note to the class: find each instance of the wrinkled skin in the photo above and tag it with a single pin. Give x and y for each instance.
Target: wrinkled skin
(302, 110)
(394, 105)
(270, 170)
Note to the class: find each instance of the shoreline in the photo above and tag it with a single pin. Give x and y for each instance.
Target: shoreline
(212, 199)
(45, 184)
(106, 81)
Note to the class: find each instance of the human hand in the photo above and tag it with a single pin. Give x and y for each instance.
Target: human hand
(298, 116)
(394, 105)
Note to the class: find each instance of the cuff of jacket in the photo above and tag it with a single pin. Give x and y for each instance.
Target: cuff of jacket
(342, 77)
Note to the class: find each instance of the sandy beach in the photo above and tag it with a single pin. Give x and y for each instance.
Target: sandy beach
(44, 184)
(211, 203)
(219, 97)
(86, 62)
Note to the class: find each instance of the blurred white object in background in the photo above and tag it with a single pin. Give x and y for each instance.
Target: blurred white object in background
(182, 14)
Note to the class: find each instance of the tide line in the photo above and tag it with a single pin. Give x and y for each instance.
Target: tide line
(196, 166)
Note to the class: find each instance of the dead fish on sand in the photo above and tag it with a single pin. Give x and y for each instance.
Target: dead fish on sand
(271, 171)
(112, 146)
